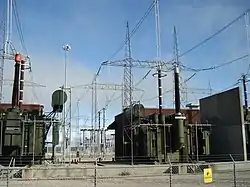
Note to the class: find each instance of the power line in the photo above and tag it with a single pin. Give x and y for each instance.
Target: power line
(206, 40)
(212, 36)
(20, 34)
(215, 67)
(193, 48)
(169, 90)
(18, 25)
(235, 84)
(143, 78)
(137, 26)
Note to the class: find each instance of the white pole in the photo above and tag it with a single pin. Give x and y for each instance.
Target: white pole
(158, 29)
(10, 26)
(70, 121)
(63, 129)
(66, 48)
(7, 31)
(247, 36)
(64, 109)
(248, 50)
(78, 126)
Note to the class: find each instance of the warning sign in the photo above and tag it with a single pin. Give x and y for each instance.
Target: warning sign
(208, 178)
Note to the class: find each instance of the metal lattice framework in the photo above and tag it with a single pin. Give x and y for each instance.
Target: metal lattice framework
(127, 77)
(94, 114)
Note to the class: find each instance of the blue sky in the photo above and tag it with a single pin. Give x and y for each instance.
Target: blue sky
(95, 29)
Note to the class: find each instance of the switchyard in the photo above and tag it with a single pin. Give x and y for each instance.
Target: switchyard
(198, 139)
(162, 141)
(24, 127)
(159, 142)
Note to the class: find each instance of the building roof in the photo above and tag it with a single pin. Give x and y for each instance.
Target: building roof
(192, 115)
(5, 106)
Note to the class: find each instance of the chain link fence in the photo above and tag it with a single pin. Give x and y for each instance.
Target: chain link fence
(98, 175)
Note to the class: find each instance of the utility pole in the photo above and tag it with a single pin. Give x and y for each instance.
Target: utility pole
(103, 136)
(244, 80)
(247, 37)
(158, 46)
(92, 117)
(245, 96)
(78, 127)
(66, 49)
(98, 133)
(7, 26)
(159, 77)
(95, 112)
(178, 116)
(70, 123)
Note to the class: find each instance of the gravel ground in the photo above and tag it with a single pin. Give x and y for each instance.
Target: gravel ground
(220, 180)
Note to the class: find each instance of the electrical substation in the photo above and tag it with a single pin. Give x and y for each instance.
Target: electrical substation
(192, 135)
(197, 138)
(24, 127)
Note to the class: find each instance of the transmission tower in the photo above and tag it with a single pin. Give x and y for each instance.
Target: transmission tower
(7, 28)
(94, 111)
(127, 77)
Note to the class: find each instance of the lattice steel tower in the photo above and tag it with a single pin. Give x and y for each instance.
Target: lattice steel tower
(2, 54)
(127, 77)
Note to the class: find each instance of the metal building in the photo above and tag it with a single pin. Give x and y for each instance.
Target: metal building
(224, 111)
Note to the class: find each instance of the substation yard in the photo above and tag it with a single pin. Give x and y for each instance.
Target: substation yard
(127, 176)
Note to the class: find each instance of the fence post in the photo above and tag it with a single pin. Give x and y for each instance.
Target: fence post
(95, 177)
(234, 171)
(170, 172)
(7, 182)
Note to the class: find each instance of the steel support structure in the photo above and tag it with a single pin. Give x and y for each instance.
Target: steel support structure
(94, 111)
(128, 76)
(99, 131)
(6, 42)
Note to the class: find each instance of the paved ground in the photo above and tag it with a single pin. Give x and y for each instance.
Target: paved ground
(220, 180)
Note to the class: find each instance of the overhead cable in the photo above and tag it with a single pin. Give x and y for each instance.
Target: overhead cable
(20, 34)
(137, 26)
(235, 84)
(215, 67)
(143, 78)
(208, 39)
(198, 45)
(18, 25)
(170, 90)
(213, 35)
